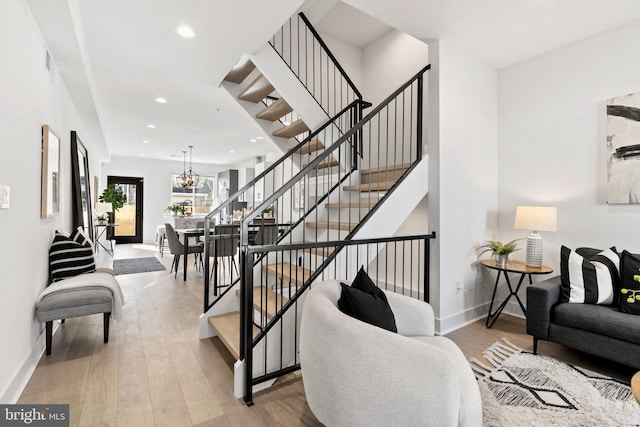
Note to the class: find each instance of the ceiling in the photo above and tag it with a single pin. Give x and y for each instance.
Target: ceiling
(116, 56)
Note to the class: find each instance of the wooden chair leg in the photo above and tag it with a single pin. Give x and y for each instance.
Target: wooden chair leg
(105, 321)
(49, 334)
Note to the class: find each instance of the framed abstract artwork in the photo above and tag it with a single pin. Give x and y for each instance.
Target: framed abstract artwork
(50, 191)
(623, 146)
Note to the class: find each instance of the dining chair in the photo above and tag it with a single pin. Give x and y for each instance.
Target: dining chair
(176, 248)
(267, 234)
(225, 247)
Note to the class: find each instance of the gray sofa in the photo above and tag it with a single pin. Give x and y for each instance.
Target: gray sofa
(600, 330)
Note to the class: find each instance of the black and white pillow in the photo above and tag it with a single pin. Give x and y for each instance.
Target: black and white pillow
(70, 255)
(595, 280)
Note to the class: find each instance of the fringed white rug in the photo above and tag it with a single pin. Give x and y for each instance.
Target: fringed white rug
(523, 389)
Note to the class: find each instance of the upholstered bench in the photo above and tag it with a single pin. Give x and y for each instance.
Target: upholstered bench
(81, 295)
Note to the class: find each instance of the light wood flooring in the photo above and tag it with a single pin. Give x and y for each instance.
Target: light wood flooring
(155, 370)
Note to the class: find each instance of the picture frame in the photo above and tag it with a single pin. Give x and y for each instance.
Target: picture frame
(50, 190)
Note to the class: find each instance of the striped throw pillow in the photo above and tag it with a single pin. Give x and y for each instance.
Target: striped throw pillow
(70, 255)
(589, 281)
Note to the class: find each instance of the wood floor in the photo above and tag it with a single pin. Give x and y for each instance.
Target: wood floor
(155, 370)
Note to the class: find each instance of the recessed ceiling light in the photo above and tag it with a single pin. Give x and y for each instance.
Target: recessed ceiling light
(142, 154)
(150, 126)
(185, 31)
(232, 151)
(145, 141)
(259, 137)
(252, 140)
(160, 100)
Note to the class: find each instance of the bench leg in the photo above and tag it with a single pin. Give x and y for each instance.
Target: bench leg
(48, 334)
(105, 322)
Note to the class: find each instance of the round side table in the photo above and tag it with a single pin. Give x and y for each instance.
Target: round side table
(511, 267)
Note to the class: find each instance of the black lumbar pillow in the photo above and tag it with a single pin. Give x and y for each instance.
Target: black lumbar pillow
(630, 275)
(371, 307)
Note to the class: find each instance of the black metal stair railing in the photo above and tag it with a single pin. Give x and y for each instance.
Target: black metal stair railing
(390, 141)
(262, 186)
(310, 59)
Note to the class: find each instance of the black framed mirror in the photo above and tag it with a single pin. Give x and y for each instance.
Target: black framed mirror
(80, 186)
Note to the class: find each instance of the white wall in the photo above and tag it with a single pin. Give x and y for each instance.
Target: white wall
(552, 141)
(389, 62)
(30, 98)
(157, 185)
(463, 180)
(349, 56)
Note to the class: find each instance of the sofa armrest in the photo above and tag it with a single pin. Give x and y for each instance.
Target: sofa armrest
(413, 317)
(541, 297)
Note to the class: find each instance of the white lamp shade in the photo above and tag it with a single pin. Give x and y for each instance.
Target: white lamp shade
(103, 207)
(536, 218)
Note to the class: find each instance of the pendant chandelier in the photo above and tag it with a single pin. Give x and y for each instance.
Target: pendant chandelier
(187, 180)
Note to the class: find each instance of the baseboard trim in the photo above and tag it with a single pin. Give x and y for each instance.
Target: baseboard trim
(473, 314)
(15, 388)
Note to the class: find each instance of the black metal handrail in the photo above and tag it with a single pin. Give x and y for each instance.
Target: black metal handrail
(349, 115)
(392, 133)
(316, 67)
(398, 284)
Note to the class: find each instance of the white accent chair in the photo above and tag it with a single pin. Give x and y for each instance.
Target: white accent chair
(356, 374)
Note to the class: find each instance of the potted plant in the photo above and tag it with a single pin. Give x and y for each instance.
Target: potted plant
(175, 209)
(268, 212)
(102, 219)
(113, 194)
(499, 251)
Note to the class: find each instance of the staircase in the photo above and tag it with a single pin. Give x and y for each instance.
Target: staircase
(337, 185)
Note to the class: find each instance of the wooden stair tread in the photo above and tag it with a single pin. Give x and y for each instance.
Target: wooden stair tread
(310, 147)
(366, 204)
(373, 186)
(333, 225)
(385, 168)
(240, 71)
(292, 129)
(275, 110)
(274, 301)
(327, 164)
(259, 88)
(289, 272)
(227, 326)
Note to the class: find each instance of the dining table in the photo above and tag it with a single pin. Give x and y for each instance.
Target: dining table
(187, 233)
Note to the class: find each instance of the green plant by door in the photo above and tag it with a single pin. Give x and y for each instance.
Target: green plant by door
(113, 194)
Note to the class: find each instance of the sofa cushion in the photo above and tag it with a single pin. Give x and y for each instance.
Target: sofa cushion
(630, 292)
(599, 319)
(70, 256)
(595, 280)
(367, 307)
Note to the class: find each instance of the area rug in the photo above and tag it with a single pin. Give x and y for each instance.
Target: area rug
(137, 265)
(523, 389)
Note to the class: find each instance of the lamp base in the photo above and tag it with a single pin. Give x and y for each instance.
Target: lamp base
(534, 250)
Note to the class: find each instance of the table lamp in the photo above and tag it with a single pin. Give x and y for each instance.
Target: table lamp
(535, 218)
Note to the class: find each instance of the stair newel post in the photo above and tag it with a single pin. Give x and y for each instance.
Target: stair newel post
(419, 117)
(207, 238)
(246, 311)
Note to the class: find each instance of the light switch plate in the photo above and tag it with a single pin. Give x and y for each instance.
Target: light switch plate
(4, 196)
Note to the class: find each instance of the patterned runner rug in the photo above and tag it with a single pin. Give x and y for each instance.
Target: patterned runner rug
(137, 265)
(523, 389)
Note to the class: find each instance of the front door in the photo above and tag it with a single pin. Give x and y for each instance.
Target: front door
(128, 219)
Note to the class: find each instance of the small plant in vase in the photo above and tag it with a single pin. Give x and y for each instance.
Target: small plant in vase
(102, 219)
(175, 209)
(499, 251)
(268, 212)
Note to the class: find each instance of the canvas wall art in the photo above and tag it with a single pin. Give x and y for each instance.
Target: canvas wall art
(623, 146)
